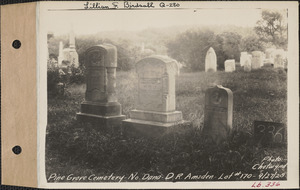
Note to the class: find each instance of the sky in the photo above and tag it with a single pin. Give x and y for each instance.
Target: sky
(90, 22)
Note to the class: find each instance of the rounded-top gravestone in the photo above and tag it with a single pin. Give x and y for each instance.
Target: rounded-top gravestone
(211, 60)
(218, 113)
(279, 58)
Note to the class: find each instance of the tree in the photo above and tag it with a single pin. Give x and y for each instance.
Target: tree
(251, 43)
(231, 45)
(190, 48)
(272, 28)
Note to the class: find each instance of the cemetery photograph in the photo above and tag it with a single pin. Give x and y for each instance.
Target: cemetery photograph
(167, 96)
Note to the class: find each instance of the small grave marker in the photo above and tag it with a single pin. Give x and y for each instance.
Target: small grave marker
(279, 58)
(211, 60)
(218, 113)
(229, 65)
(257, 59)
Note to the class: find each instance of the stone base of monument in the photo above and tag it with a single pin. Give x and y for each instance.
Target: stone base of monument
(164, 117)
(153, 124)
(105, 115)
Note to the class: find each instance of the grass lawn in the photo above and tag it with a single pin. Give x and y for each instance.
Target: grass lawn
(83, 149)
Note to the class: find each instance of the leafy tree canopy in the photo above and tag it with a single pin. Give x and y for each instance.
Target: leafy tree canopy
(272, 28)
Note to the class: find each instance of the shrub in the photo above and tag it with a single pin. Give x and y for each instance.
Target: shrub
(53, 78)
(77, 75)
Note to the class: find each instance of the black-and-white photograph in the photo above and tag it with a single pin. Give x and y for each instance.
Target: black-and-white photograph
(166, 92)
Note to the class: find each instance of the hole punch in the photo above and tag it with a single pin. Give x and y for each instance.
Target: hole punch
(17, 150)
(16, 44)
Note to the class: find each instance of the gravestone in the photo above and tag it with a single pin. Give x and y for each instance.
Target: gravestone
(229, 65)
(243, 58)
(247, 64)
(70, 55)
(100, 103)
(279, 58)
(211, 60)
(257, 59)
(270, 55)
(155, 108)
(60, 53)
(218, 113)
(263, 58)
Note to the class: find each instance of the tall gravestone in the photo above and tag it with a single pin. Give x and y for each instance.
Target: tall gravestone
(229, 65)
(279, 58)
(243, 58)
(247, 64)
(257, 59)
(211, 60)
(218, 113)
(100, 103)
(155, 108)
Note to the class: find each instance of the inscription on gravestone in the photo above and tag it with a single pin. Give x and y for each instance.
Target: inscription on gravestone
(151, 87)
(100, 103)
(218, 113)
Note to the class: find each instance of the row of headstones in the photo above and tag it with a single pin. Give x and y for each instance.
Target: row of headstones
(255, 60)
(155, 107)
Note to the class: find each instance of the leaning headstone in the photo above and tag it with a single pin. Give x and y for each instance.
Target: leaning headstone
(229, 65)
(257, 59)
(279, 58)
(100, 103)
(155, 108)
(244, 56)
(211, 60)
(247, 64)
(218, 113)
